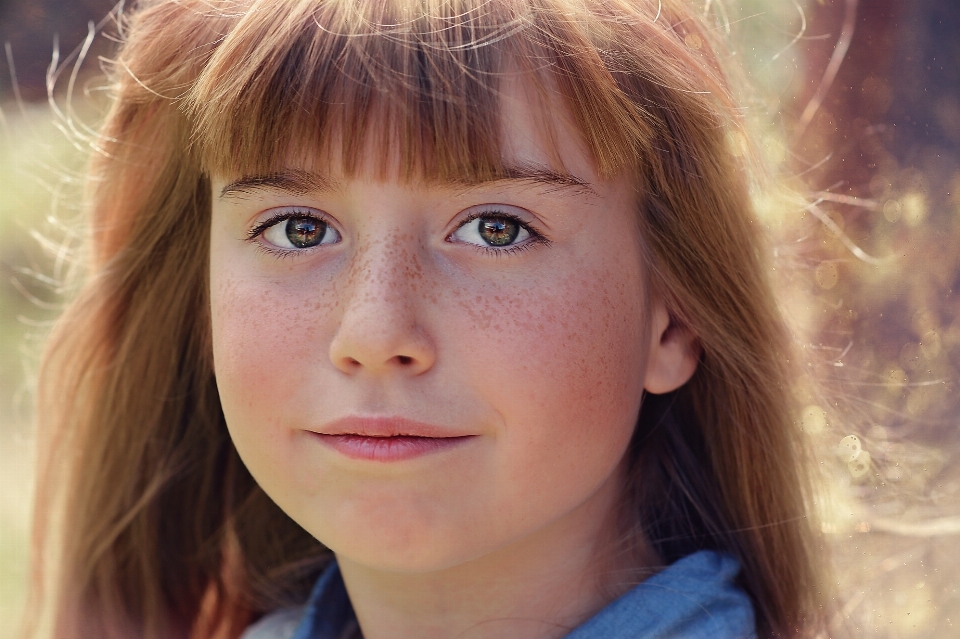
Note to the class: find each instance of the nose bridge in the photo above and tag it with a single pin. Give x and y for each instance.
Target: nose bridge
(386, 271)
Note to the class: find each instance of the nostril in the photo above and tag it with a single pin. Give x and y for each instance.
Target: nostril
(404, 359)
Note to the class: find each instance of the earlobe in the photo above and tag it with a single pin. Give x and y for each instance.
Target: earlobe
(673, 355)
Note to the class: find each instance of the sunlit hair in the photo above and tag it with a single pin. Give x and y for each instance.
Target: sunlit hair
(155, 527)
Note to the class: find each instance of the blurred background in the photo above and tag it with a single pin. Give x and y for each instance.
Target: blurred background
(855, 108)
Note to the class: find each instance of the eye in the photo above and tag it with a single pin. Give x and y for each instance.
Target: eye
(494, 229)
(296, 231)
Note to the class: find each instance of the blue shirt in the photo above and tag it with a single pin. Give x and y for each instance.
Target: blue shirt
(694, 598)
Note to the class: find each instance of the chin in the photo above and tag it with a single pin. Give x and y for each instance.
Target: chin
(412, 546)
(399, 552)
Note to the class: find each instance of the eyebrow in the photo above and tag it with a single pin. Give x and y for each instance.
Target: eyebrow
(559, 181)
(291, 180)
(300, 182)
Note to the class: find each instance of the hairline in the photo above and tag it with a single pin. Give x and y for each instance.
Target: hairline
(301, 182)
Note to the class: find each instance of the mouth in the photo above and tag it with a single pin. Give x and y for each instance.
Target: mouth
(388, 439)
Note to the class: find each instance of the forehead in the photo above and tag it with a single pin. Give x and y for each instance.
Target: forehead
(539, 147)
(537, 129)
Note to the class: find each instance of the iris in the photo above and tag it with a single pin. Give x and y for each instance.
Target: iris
(304, 232)
(499, 231)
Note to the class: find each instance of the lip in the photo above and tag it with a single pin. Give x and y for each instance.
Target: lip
(388, 439)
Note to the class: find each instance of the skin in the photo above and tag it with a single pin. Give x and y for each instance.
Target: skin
(542, 354)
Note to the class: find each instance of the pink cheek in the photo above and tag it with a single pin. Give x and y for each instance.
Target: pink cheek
(570, 347)
(266, 338)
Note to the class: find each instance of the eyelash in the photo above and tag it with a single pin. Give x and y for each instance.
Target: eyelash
(537, 238)
(287, 214)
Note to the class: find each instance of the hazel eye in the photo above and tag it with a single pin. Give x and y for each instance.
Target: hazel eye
(492, 230)
(300, 232)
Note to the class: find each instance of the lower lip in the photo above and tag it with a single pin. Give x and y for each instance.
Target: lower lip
(389, 449)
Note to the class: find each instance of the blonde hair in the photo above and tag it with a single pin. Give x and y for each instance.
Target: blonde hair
(169, 536)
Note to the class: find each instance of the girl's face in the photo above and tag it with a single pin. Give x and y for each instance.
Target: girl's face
(422, 373)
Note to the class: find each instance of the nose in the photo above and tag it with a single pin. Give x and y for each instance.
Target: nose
(380, 330)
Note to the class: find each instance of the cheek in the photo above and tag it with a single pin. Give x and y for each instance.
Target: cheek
(563, 363)
(580, 331)
(266, 338)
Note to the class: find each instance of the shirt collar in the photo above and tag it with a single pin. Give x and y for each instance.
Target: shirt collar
(694, 598)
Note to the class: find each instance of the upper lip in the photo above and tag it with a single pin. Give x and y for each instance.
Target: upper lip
(387, 427)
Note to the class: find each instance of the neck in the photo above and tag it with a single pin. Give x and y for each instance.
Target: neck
(539, 587)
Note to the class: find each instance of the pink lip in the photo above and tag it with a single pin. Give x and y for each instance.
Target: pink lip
(387, 439)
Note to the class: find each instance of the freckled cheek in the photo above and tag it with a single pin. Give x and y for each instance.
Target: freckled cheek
(266, 340)
(563, 357)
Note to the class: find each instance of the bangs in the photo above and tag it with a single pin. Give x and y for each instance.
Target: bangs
(415, 81)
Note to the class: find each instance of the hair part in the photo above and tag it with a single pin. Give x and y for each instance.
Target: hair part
(166, 525)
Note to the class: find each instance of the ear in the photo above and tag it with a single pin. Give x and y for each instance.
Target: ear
(673, 355)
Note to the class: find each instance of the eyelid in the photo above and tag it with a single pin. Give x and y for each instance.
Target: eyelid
(285, 213)
(537, 236)
(517, 213)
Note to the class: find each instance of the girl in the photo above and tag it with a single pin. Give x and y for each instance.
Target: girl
(420, 318)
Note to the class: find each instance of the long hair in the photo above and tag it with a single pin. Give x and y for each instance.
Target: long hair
(154, 525)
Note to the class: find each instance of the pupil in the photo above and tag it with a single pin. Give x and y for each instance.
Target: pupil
(498, 231)
(304, 232)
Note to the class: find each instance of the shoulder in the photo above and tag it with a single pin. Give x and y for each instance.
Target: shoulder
(281, 624)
